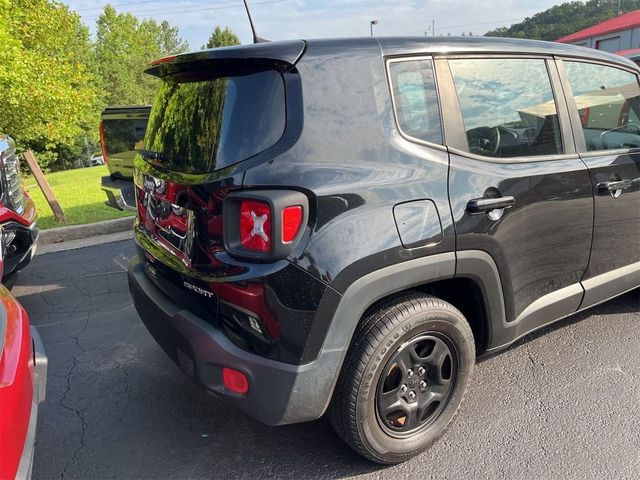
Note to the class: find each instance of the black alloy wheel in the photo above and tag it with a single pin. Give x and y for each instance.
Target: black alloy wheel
(404, 377)
(416, 384)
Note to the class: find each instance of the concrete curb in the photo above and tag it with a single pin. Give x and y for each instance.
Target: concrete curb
(77, 232)
(84, 242)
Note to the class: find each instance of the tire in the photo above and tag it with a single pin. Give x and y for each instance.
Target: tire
(373, 408)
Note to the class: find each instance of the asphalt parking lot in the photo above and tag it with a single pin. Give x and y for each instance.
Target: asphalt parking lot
(563, 403)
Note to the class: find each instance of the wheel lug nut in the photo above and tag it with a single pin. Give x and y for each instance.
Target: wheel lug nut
(421, 371)
(403, 389)
(423, 384)
(409, 373)
(412, 396)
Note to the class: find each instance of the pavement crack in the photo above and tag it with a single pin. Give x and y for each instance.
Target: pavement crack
(63, 400)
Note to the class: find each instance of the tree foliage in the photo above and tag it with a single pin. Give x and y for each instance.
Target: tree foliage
(222, 37)
(55, 80)
(49, 91)
(564, 19)
(124, 47)
(169, 39)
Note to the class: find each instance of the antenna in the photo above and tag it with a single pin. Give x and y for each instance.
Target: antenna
(256, 38)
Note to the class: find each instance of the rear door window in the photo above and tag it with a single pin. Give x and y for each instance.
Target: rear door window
(507, 106)
(202, 125)
(608, 104)
(415, 99)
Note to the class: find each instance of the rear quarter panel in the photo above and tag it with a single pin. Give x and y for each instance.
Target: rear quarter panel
(356, 165)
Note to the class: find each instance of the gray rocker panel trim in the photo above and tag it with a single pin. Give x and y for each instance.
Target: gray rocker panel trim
(544, 311)
(607, 285)
(480, 267)
(547, 309)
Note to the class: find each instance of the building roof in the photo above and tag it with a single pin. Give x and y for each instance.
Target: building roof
(623, 22)
(631, 53)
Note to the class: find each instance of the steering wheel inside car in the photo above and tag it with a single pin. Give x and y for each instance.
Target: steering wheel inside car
(484, 140)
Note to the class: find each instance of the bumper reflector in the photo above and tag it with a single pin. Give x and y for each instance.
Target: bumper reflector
(235, 381)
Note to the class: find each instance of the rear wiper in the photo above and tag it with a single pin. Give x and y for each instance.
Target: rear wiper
(151, 155)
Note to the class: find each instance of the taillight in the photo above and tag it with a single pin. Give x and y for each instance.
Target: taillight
(103, 144)
(255, 226)
(264, 225)
(291, 221)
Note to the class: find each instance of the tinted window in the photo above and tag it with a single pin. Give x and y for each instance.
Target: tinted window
(121, 136)
(507, 106)
(202, 126)
(607, 99)
(415, 99)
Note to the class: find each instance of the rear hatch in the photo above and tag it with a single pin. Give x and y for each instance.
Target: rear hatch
(215, 111)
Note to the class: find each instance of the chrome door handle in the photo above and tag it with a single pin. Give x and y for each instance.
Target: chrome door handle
(614, 188)
(481, 205)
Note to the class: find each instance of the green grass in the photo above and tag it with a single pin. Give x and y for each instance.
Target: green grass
(79, 194)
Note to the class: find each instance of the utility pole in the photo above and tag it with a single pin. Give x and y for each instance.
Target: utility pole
(371, 24)
(431, 28)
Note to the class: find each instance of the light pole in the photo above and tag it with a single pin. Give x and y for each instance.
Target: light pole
(371, 24)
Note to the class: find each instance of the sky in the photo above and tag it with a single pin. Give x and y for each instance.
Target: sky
(286, 19)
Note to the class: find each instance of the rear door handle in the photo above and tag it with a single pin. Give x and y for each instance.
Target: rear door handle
(481, 205)
(614, 188)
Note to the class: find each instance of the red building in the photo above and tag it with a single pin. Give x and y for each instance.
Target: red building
(620, 34)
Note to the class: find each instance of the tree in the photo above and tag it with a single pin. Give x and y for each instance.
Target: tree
(122, 51)
(564, 19)
(124, 47)
(49, 91)
(170, 41)
(222, 38)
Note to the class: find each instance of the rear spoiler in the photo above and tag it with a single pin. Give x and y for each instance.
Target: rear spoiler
(279, 55)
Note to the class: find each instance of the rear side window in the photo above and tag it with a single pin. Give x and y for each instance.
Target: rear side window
(207, 124)
(415, 100)
(507, 106)
(608, 101)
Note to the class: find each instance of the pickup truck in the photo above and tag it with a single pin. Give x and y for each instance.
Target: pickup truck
(122, 131)
(18, 216)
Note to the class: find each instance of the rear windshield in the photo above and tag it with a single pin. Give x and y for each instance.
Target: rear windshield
(205, 125)
(123, 136)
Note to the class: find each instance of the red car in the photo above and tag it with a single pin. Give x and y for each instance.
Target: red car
(23, 377)
(18, 231)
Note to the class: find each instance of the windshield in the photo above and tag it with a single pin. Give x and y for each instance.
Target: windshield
(205, 125)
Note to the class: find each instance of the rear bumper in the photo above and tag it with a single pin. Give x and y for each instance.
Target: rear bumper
(120, 193)
(39, 394)
(279, 393)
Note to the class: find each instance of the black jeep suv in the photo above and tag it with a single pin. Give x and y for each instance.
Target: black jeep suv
(343, 226)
